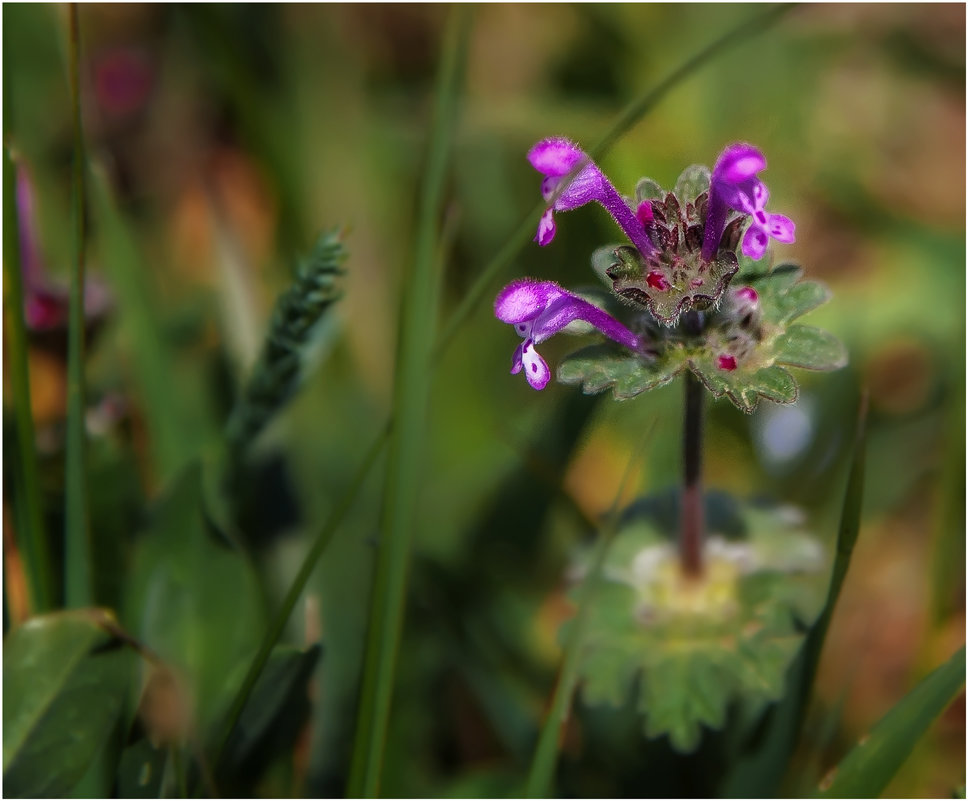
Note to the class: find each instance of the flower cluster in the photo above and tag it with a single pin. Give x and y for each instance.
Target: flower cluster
(681, 258)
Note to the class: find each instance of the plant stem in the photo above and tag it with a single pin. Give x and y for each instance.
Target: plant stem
(77, 547)
(691, 520)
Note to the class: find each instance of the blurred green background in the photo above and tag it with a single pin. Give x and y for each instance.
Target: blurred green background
(233, 134)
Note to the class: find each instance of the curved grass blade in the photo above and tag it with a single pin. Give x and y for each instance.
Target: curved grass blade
(78, 570)
(758, 773)
(873, 762)
(418, 313)
(948, 570)
(634, 112)
(546, 753)
(271, 721)
(31, 532)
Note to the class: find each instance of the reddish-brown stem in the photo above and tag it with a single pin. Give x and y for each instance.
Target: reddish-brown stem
(691, 524)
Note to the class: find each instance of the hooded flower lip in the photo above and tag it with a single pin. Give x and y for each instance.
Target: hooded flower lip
(734, 185)
(555, 158)
(540, 309)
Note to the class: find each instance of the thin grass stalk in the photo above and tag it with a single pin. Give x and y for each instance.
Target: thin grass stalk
(759, 774)
(847, 531)
(411, 398)
(632, 114)
(78, 568)
(545, 756)
(31, 531)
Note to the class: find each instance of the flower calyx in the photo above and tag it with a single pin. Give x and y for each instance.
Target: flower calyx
(677, 277)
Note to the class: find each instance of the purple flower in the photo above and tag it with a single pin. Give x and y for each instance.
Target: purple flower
(556, 158)
(540, 309)
(734, 185)
(45, 301)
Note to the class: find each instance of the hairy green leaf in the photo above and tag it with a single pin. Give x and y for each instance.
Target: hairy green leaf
(647, 189)
(809, 347)
(598, 367)
(699, 646)
(741, 354)
(692, 182)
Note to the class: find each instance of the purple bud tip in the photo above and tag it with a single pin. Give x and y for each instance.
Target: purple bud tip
(739, 163)
(644, 212)
(726, 362)
(657, 280)
(555, 156)
(747, 294)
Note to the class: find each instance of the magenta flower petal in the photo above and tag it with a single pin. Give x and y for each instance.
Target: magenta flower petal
(525, 299)
(555, 156)
(517, 362)
(755, 242)
(540, 309)
(739, 163)
(546, 228)
(586, 187)
(781, 228)
(734, 185)
(535, 368)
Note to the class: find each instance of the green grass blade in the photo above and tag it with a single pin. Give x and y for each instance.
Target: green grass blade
(948, 569)
(152, 361)
(758, 773)
(78, 570)
(847, 533)
(31, 532)
(545, 756)
(632, 114)
(418, 312)
(873, 762)
(758, 23)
